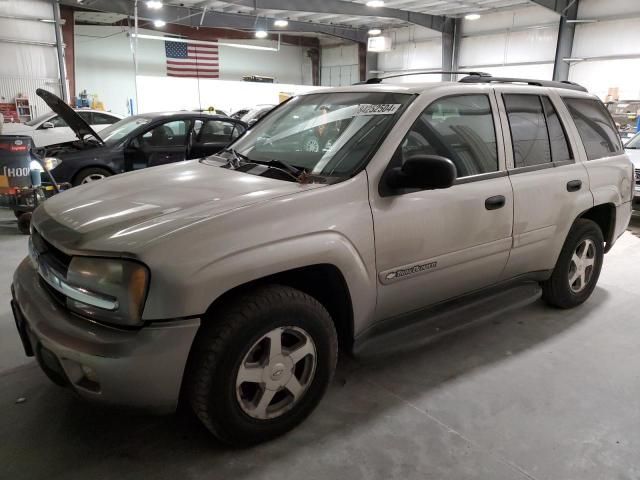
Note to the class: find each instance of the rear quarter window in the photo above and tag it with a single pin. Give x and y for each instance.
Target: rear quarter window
(596, 128)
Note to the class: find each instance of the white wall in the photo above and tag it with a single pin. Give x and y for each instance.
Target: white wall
(519, 43)
(104, 65)
(610, 48)
(412, 48)
(339, 65)
(24, 68)
(227, 95)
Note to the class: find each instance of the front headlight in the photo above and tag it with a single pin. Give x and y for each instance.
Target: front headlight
(51, 162)
(109, 290)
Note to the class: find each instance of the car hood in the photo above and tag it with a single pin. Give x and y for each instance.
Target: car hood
(126, 212)
(75, 122)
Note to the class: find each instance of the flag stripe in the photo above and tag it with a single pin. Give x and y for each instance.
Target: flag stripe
(192, 62)
(194, 70)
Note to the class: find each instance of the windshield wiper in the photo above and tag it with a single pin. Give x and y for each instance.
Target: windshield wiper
(296, 172)
(237, 159)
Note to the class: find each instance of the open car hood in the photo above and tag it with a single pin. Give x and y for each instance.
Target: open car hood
(75, 122)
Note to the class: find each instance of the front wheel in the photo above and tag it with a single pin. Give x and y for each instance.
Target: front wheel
(89, 175)
(578, 268)
(261, 366)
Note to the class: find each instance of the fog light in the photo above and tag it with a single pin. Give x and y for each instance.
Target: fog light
(89, 373)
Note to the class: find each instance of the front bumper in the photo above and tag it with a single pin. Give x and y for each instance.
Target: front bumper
(142, 368)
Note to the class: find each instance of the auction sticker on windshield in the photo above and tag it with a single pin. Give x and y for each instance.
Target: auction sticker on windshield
(378, 109)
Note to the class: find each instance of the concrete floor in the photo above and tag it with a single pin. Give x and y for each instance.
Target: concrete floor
(535, 394)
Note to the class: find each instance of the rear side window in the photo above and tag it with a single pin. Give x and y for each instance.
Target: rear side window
(560, 151)
(597, 131)
(459, 128)
(528, 130)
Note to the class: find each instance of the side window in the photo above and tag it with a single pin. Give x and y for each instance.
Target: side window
(460, 128)
(596, 129)
(86, 116)
(528, 130)
(103, 119)
(58, 121)
(216, 131)
(560, 151)
(170, 134)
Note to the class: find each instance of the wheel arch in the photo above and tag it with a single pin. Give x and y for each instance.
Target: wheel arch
(324, 282)
(604, 215)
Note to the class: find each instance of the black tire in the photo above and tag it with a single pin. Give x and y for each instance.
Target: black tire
(221, 346)
(88, 172)
(24, 223)
(557, 290)
(18, 213)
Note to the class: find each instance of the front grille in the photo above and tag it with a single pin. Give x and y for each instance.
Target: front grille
(47, 252)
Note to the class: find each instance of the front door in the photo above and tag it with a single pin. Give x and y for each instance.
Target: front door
(438, 244)
(161, 144)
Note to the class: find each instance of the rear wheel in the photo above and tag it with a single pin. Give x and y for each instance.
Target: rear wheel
(578, 268)
(89, 175)
(261, 366)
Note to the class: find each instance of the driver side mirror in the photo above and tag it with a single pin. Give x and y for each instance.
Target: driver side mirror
(423, 172)
(47, 125)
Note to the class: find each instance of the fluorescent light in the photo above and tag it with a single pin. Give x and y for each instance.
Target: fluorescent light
(154, 5)
(47, 20)
(573, 59)
(375, 3)
(159, 23)
(204, 42)
(281, 23)
(375, 31)
(472, 16)
(261, 34)
(582, 21)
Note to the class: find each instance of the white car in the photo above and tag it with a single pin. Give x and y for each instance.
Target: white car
(633, 150)
(49, 129)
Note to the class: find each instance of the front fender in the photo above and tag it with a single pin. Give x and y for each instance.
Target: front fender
(214, 279)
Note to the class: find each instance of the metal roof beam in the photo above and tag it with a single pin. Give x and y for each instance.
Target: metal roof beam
(558, 6)
(192, 17)
(341, 7)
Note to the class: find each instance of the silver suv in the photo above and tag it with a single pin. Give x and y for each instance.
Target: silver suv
(233, 281)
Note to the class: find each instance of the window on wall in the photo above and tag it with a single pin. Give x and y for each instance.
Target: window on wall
(597, 131)
(460, 128)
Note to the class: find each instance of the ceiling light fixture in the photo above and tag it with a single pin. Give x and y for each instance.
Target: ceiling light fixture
(472, 16)
(261, 34)
(159, 23)
(375, 3)
(375, 31)
(154, 5)
(47, 20)
(281, 23)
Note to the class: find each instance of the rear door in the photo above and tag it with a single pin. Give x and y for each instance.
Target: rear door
(209, 136)
(550, 182)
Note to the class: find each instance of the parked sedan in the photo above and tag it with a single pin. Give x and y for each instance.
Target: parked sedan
(136, 142)
(633, 150)
(51, 128)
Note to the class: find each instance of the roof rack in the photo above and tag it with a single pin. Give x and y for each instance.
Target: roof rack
(487, 78)
(375, 80)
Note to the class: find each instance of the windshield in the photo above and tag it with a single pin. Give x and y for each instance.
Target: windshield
(634, 143)
(327, 134)
(117, 131)
(40, 119)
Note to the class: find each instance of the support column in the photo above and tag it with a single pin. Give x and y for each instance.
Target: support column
(564, 47)
(62, 69)
(451, 35)
(68, 36)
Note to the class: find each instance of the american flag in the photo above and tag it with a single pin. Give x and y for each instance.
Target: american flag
(192, 60)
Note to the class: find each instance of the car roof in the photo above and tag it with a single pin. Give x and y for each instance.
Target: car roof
(180, 114)
(418, 88)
